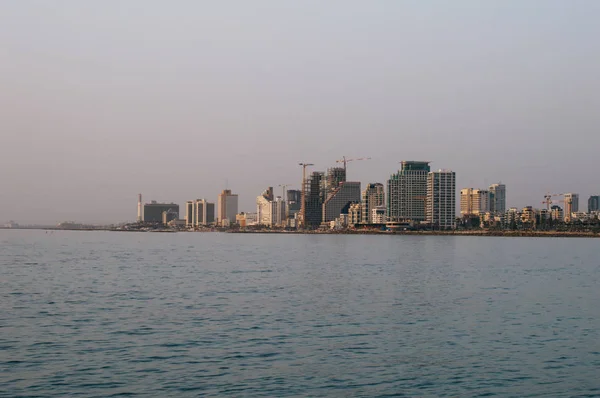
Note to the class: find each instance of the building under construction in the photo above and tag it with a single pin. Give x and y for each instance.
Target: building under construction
(335, 176)
(315, 196)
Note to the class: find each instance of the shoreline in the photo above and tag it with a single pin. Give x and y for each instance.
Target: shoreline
(484, 233)
(507, 234)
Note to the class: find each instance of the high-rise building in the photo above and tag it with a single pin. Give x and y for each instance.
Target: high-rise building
(339, 200)
(315, 196)
(497, 198)
(373, 196)
(199, 212)
(474, 201)
(227, 207)
(264, 208)
(407, 192)
(270, 210)
(335, 176)
(441, 199)
(294, 199)
(153, 211)
(593, 203)
(571, 205)
(140, 217)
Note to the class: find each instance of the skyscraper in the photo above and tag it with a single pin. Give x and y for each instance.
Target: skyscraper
(373, 196)
(497, 198)
(227, 207)
(594, 203)
(315, 196)
(474, 201)
(441, 199)
(339, 200)
(407, 192)
(264, 207)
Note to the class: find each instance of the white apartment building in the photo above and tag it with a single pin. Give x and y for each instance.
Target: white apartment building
(378, 215)
(270, 211)
(441, 199)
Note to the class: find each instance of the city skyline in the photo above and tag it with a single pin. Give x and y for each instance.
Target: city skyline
(252, 207)
(179, 103)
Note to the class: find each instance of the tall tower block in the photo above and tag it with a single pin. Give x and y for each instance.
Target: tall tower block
(139, 216)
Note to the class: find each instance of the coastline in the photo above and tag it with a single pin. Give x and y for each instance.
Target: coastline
(508, 234)
(484, 233)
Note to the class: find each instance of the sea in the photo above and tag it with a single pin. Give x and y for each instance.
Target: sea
(125, 314)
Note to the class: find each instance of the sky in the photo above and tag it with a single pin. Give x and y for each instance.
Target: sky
(177, 100)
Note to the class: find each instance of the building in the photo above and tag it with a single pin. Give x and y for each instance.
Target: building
(246, 219)
(294, 200)
(270, 210)
(339, 200)
(556, 213)
(593, 204)
(378, 215)
(153, 211)
(264, 207)
(227, 207)
(373, 196)
(497, 198)
(528, 215)
(315, 196)
(571, 205)
(512, 217)
(441, 199)
(354, 213)
(407, 192)
(474, 201)
(199, 212)
(140, 209)
(335, 176)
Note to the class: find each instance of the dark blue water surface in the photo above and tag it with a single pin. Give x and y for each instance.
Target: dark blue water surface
(106, 314)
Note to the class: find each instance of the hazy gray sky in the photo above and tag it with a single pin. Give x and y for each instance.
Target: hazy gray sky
(102, 100)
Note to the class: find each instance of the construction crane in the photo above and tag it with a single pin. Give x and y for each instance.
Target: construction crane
(302, 219)
(548, 199)
(344, 160)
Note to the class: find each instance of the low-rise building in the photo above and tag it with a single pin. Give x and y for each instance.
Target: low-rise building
(246, 219)
(378, 215)
(354, 214)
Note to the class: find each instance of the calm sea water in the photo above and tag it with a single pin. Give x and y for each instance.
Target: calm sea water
(104, 314)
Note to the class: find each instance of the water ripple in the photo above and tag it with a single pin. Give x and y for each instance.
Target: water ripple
(116, 315)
